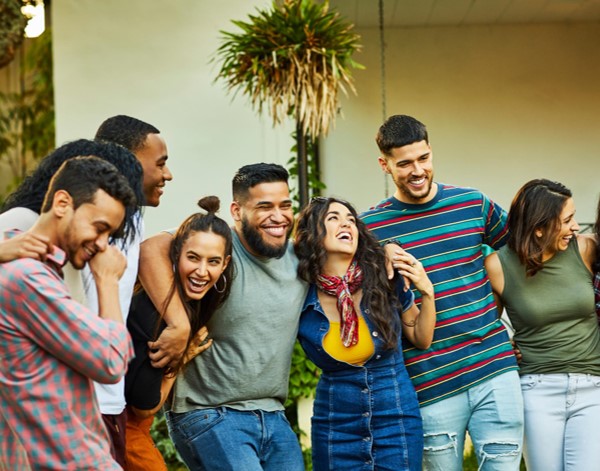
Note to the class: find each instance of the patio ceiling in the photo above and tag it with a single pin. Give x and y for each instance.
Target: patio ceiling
(407, 13)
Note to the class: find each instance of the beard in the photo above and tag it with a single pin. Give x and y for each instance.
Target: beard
(258, 245)
(410, 194)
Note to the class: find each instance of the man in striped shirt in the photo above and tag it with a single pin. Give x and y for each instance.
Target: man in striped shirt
(52, 346)
(467, 380)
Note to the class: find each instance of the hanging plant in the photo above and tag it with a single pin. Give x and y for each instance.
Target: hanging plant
(292, 59)
(12, 27)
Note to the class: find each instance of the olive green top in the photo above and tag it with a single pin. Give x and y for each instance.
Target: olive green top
(553, 313)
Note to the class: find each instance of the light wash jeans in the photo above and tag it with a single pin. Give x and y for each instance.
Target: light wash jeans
(491, 411)
(232, 440)
(562, 422)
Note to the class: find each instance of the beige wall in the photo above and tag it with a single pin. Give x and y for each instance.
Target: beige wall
(503, 104)
(150, 59)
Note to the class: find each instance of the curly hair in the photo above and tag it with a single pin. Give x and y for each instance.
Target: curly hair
(536, 206)
(378, 292)
(199, 312)
(31, 192)
(82, 177)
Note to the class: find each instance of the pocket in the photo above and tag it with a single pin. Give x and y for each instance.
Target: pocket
(528, 382)
(190, 425)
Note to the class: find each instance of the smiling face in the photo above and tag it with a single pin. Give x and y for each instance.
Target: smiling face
(201, 263)
(567, 228)
(411, 168)
(87, 229)
(341, 233)
(264, 219)
(153, 157)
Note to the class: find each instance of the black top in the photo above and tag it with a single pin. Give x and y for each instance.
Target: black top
(142, 381)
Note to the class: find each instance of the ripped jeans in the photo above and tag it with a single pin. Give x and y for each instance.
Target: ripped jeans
(491, 411)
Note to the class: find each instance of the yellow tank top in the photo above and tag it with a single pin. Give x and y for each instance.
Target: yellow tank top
(357, 354)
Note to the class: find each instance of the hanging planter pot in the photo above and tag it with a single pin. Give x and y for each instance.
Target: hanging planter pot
(292, 60)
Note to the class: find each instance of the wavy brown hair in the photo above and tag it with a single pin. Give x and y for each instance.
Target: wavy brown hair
(535, 207)
(378, 291)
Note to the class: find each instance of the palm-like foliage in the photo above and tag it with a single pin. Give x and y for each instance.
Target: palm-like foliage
(12, 26)
(292, 59)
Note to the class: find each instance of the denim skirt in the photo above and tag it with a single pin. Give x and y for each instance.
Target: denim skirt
(367, 418)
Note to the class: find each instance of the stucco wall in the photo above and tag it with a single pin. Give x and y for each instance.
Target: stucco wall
(151, 60)
(503, 103)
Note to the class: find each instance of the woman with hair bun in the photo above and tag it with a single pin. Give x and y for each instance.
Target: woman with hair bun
(543, 277)
(201, 256)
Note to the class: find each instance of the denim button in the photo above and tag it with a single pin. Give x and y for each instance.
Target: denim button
(365, 390)
(367, 439)
(368, 462)
(366, 414)
(366, 311)
(375, 334)
(377, 357)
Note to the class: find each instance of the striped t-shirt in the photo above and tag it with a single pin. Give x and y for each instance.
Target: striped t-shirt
(446, 234)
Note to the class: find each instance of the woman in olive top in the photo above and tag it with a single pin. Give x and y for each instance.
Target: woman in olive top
(543, 278)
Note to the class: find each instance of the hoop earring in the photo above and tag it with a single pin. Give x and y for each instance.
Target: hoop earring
(222, 290)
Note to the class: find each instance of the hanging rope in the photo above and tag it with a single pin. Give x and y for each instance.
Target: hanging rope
(383, 103)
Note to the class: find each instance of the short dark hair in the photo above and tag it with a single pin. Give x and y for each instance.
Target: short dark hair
(31, 192)
(398, 131)
(251, 175)
(130, 132)
(536, 206)
(82, 177)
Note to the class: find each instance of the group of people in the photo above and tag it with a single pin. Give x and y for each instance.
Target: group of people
(399, 307)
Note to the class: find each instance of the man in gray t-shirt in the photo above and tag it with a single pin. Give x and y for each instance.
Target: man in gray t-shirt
(227, 410)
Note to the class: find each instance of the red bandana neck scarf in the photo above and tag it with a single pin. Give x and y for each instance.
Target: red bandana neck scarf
(343, 288)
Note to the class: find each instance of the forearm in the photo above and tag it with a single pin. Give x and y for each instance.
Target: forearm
(425, 322)
(109, 307)
(156, 276)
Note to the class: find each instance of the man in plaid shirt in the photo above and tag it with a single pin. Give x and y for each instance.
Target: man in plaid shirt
(51, 346)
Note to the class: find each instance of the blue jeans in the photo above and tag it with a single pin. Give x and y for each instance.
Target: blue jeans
(562, 421)
(228, 439)
(491, 411)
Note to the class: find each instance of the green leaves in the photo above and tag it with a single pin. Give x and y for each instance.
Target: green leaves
(292, 58)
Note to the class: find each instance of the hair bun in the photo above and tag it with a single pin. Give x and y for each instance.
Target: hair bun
(210, 204)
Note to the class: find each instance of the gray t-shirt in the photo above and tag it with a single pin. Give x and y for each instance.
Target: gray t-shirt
(248, 364)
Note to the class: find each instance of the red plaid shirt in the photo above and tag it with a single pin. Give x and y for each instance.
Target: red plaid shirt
(51, 347)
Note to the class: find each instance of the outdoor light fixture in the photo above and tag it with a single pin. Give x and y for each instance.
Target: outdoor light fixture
(36, 22)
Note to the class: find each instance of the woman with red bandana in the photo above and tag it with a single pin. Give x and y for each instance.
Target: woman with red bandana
(366, 414)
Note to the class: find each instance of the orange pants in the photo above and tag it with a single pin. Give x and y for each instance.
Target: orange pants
(141, 453)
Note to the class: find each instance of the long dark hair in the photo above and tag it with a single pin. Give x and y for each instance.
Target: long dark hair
(378, 291)
(31, 192)
(535, 207)
(199, 312)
